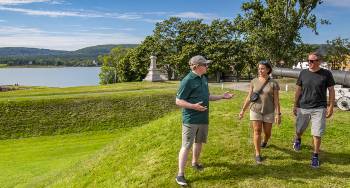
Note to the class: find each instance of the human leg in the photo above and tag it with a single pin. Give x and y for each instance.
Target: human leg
(187, 142)
(267, 128)
(182, 160)
(197, 148)
(201, 135)
(318, 120)
(257, 128)
(317, 144)
(302, 121)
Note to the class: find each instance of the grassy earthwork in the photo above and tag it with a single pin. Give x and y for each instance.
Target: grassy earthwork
(129, 135)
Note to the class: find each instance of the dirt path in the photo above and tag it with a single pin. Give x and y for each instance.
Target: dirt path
(241, 86)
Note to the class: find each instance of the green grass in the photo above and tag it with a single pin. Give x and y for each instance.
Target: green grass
(69, 110)
(146, 156)
(29, 161)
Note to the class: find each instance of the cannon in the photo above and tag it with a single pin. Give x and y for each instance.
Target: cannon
(341, 78)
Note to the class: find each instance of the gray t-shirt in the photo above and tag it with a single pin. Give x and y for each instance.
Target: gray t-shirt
(265, 104)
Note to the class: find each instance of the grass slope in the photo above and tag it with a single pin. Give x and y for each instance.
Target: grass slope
(26, 162)
(147, 156)
(60, 111)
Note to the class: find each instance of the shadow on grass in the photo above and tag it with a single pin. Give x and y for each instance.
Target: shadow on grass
(294, 172)
(325, 156)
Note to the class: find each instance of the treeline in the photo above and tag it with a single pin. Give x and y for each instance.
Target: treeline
(48, 61)
(266, 30)
(18, 56)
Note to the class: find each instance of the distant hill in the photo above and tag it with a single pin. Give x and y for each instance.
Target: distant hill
(91, 52)
(17, 56)
(22, 51)
(100, 49)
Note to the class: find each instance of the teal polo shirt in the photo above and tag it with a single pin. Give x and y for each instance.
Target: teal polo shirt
(194, 89)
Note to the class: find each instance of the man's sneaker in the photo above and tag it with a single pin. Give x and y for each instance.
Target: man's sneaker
(297, 145)
(263, 145)
(315, 163)
(197, 166)
(258, 159)
(181, 180)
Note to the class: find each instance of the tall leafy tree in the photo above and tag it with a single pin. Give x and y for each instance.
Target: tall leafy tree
(110, 62)
(337, 52)
(272, 28)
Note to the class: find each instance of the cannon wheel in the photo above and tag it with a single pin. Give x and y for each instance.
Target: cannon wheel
(343, 103)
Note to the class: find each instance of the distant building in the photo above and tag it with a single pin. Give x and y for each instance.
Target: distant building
(305, 65)
(94, 62)
(346, 65)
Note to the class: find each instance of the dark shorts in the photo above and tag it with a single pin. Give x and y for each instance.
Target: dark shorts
(197, 133)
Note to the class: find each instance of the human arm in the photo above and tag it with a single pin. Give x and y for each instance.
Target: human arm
(226, 95)
(184, 104)
(276, 101)
(246, 102)
(331, 99)
(296, 99)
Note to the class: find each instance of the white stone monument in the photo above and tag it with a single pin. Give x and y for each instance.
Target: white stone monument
(154, 74)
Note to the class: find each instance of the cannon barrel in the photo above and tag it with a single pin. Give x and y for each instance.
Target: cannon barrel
(340, 77)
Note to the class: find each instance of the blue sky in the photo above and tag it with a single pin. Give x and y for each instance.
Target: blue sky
(74, 24)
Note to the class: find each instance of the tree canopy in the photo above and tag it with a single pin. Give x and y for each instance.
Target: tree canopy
(266, 30)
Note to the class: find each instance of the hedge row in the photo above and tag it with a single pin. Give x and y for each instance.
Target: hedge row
(60, 116)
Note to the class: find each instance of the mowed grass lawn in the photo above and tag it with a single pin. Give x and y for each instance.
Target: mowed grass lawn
(146, 156)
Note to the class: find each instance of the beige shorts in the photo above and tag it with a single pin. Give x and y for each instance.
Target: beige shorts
(197, 133)
(268, 118)
(317, 118)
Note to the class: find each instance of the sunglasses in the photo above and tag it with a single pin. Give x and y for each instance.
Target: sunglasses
(313, 61)
(204, 65)
(263, 62)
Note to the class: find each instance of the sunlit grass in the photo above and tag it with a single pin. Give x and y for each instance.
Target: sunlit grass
(146, 156)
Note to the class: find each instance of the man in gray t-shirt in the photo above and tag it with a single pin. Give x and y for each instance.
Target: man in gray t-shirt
(310, 103)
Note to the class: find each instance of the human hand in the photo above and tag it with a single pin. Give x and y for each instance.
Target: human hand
(227, 95)
(278, 120)
(329, 112)
(241, 114)
(199, 107)
(295, 110)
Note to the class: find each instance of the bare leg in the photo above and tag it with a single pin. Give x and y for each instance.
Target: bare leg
(257, 126)
(267, 127)
(182, 160)
(197, 148)
(317, 144)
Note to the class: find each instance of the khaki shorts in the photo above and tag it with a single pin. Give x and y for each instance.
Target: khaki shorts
(268, 118)
(317, 118)
(194, 132)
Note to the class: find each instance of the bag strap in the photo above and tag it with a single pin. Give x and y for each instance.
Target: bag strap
(262, 87)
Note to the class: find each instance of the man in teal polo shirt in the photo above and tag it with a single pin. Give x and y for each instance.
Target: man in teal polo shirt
(193, 96)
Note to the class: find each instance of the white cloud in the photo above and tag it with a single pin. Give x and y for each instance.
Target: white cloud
(89, 14)
(338, 3)
(9, 30)
(16, 2)
(33, 37)
(48, 13)
(195, 15)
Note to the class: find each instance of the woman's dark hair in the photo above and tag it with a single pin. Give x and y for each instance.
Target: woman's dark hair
(267, 64)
